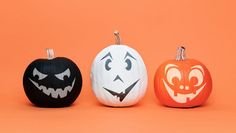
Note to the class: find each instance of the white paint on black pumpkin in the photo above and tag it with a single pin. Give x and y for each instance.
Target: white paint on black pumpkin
(119, 76)
(52, 82)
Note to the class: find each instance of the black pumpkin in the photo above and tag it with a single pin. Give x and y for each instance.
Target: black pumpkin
(53, 82)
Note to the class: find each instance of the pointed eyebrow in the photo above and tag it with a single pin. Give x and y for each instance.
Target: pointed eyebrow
(128, 54)
(107, 55)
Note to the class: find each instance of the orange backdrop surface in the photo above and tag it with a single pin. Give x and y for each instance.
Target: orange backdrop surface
(80, 29)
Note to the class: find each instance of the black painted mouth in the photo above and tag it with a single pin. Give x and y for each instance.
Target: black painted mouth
(122, 95)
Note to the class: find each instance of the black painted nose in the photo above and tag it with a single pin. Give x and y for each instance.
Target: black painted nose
(118, 78)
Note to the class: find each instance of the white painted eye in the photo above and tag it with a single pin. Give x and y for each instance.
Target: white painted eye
(39, 74)
(197, 73)
(63, 74)
(173, 73)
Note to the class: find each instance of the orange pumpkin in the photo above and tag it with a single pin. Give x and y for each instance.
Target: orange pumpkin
(182, 82)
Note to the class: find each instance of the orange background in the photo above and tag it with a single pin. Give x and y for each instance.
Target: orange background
(80, 29)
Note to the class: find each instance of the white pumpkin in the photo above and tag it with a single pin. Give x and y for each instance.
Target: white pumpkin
(119, 75)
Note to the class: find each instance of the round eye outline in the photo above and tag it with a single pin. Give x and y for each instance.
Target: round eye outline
(173, 73)
(197, 73)
(107, 67)
(39, 74)
(63, 74)
(129, 64)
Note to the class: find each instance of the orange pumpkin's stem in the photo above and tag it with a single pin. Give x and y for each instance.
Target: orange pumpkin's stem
(50, 53)
(118, 39)
(180, 53)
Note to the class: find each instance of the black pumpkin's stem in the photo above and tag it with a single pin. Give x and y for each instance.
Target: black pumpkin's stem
(118, 39)
(50, 53)
(180, 53)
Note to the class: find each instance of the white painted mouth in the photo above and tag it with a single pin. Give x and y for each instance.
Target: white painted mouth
(182, 98)
(55, 93)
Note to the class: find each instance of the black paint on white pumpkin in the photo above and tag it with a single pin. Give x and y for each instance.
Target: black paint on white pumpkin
(52, 83)
(119, 76)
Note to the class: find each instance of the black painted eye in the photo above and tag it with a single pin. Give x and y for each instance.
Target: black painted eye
(108, 61)
(129, 64)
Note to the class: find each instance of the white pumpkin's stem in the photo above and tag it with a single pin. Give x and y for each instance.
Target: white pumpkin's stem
(180, 53)
(118, 39)
(50, 53)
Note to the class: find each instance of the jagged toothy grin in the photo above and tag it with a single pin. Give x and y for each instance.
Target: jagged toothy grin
(55, 93)
(182, 98)
(120, 96)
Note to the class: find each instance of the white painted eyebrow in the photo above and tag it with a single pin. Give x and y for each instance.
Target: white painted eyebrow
(169, 65)
(199, 67)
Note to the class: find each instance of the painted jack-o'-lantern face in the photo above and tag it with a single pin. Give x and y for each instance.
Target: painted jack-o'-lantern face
(52, 82)
(182, 83)
(119, 76)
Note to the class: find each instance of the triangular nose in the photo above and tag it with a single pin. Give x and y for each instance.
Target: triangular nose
(118, 78)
